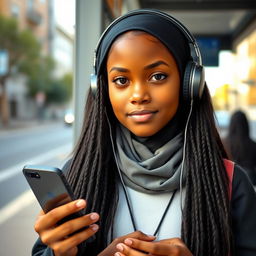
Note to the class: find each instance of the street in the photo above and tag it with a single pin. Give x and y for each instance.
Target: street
(49, 144)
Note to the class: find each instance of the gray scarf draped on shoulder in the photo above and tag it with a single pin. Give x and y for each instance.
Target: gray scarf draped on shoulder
(146, 168)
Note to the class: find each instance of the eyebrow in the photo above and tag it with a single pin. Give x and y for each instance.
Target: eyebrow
(150, 66)
(119, 69)
(156, 64)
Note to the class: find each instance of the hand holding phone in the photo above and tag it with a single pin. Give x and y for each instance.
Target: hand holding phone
(49, 185)
(61, 226)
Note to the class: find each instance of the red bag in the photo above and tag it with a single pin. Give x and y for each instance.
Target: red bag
(230, 171)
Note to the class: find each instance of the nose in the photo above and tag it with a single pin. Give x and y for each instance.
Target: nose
(140, 94)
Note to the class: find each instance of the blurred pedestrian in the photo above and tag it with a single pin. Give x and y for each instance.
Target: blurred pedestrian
(239, 145)
(150, 159)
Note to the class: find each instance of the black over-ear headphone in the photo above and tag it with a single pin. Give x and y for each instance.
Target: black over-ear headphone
(193, 80)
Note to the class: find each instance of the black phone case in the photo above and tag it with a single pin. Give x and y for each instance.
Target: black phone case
(51, 189)
(49, 186)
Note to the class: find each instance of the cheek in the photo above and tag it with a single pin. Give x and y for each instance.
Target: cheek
(168, 99)
(169, 107)
(115, 101)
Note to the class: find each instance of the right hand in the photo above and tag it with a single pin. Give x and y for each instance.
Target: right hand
(61, 238)
(111, 249)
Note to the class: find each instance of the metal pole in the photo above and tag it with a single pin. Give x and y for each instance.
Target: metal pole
(88, 30)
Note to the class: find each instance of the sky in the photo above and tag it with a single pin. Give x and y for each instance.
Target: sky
(65, 14)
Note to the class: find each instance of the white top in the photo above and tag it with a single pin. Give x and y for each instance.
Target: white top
(148, 210)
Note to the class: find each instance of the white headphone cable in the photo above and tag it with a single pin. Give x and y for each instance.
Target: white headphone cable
(184, 153)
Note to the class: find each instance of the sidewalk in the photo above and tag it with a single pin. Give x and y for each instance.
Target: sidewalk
(18, 235)
(17, 126)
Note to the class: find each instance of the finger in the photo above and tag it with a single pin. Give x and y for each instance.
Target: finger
(52, 217)
(119, 254)
(128, 251)
(174, 241)
(177, 243)
(40, 215)
(68, 228)
(140, 235)
(153, 247)
(72, 252)
(74, 240)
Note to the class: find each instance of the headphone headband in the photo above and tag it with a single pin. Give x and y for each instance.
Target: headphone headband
(178, 24)
(193, 80)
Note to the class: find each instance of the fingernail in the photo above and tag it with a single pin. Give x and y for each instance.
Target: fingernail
(117, 254)
(128, 241)
(120, 247)
(94, 216)
(80, 203)
(94, 227)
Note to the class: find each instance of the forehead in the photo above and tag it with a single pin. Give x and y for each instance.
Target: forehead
(131, 38)
(136, 50)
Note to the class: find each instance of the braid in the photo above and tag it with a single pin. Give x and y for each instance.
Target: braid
(92, 171)
(206, 212)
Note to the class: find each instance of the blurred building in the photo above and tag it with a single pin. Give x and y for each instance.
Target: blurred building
(238, 74)
(35, 15)
(31, 14)
(39, 17)
(244, 89)
(62, 51)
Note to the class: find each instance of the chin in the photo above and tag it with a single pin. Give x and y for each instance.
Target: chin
(143, 129)
(143, 132)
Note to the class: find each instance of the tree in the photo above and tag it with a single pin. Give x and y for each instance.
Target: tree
(40, 75)
(60, 91)
(67, 82)
(24, 56)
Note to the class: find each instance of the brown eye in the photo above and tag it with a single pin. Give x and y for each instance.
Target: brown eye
(121, 81)
(158, 77)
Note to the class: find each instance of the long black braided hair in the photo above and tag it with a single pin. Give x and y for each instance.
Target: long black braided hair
(206, 228)
(206, 225)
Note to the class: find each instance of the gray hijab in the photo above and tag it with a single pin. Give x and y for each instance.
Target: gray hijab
(147, 171)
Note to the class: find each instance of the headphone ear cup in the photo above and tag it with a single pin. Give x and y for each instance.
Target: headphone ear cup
(94, 79)
(186, 95)
(198, 82)
(193, 81)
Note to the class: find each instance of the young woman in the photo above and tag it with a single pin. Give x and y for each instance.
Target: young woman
(149, 165)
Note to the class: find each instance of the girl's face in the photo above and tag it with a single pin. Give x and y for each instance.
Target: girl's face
(143, 83)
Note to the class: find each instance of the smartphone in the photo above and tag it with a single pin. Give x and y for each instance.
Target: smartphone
(50, 187)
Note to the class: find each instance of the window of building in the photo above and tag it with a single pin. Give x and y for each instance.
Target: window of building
(15, 10)
(30, 4)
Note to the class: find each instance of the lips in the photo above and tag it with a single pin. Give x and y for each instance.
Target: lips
(141, 115)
